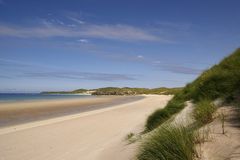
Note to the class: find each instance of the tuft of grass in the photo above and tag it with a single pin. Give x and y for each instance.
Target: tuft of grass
(129, 136)
(168, 143)
(203, 112)
(156, 119)
(161, 115)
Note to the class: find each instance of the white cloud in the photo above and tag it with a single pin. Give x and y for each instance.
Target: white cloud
(76, 20)
(140, 57)
(71, 25)
(83, 40)
(24, 70)
(123, 32)
(60, 22)
(116, 32)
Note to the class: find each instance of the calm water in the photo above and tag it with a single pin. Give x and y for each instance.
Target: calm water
(4, 97)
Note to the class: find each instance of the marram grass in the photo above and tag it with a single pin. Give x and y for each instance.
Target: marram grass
(168, 143)
(220, 81)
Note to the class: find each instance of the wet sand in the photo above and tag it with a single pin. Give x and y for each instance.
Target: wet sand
(93, 135)
(13, 113)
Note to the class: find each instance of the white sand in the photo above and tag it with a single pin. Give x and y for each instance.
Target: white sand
(223, 146)
(185, 116)
(94, 135)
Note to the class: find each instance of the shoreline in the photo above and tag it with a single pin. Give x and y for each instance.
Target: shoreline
(20, 112)
(45, 97)
(97, 134)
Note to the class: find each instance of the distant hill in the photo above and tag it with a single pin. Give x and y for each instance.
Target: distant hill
(66, 92)
(120, 91)
(134, 91)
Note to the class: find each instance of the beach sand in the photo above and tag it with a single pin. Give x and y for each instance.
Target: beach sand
(222, 146)
(12, 113)
(92, 135)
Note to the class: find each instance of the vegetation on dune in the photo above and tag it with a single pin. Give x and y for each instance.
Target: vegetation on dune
(203, 112)
(168, 143)
(221, 81)
(161, 115)
(165, 143)
(164, 91)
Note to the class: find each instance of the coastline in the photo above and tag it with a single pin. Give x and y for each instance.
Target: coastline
(97, 134)
(19, 112)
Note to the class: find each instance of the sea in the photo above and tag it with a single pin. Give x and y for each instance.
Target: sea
(8, 97)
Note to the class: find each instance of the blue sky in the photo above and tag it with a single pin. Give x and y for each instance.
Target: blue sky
(65, 45)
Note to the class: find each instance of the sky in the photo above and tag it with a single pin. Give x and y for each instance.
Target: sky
(70, 44)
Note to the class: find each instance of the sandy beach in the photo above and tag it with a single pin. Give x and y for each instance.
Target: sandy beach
(17, 112)
(92, 135)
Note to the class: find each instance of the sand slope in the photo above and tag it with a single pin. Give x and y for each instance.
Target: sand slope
(94, 136)
(223, 146)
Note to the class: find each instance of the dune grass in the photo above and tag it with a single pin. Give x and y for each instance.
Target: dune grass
(203, 112)
(177, 142)
(161, 115)
(221, 81)
(169, 143)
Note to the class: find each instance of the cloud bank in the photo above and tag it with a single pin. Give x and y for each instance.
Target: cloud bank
(179, 69)
(105, 31)
(14, 69)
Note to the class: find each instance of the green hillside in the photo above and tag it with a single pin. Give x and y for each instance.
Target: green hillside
(134, 91)
(121, 91)
(65, 92)
(169, 141)
(220, 81)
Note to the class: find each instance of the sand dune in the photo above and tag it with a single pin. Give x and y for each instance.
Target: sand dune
(93, 135)
(223, 146)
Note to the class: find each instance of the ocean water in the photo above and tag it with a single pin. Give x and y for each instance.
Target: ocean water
(5, 97)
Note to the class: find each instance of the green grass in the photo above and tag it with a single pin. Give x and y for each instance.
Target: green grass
(221, 81)
(131, 137)
(169, 143)
(203, 112)
(161, 115)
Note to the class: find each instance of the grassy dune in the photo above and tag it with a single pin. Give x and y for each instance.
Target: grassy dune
(220, 81)
(169, 143)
